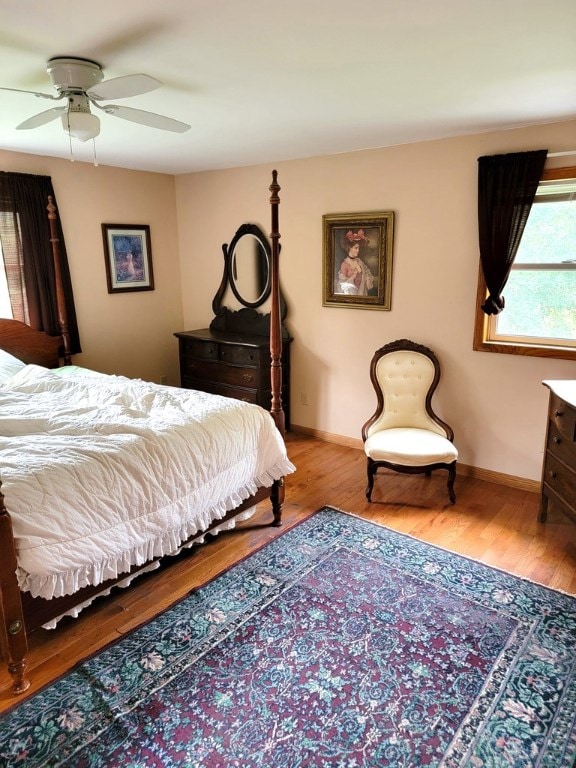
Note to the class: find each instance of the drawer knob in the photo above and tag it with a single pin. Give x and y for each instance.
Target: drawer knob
(558, 413)
(552, 474)
(247, 377)
(557, 440)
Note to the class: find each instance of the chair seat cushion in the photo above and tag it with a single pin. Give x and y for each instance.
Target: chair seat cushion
(411, 447)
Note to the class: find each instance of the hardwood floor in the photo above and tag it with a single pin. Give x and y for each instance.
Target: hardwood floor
(492, 523)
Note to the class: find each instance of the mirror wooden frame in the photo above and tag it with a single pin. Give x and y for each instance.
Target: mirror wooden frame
(228, 278)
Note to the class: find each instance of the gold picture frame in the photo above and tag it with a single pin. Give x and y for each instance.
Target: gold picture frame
(357, 260)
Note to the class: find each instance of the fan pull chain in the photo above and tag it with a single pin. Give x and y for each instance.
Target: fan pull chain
(72, 158)
(94, 148)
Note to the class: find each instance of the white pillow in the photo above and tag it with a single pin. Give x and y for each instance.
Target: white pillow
(9, 365)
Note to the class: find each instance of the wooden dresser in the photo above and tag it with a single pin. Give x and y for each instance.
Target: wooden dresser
(232, 364)
(559, 467)
(233, 357)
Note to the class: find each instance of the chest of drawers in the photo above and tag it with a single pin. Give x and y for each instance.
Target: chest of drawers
(559, 466)
(231, 364)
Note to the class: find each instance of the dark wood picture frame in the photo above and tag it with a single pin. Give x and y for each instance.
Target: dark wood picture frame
(128, 257)
(358, 260)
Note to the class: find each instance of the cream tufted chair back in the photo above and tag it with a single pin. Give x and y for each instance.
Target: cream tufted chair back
(404, 433)
(405, 377)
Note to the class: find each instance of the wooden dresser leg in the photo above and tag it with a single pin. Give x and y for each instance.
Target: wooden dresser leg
(543, 509)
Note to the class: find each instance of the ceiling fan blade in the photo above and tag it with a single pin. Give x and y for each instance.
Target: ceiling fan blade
(33, 93)
(122, 87)
(150, 119)
(41, 118)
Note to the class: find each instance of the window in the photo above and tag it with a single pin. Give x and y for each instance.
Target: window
(540, 313)
(5, 306)
(27, 236)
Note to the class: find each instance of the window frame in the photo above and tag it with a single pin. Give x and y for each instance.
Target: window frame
(481, 341)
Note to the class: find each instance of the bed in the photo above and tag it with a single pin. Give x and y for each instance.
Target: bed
(103, 476)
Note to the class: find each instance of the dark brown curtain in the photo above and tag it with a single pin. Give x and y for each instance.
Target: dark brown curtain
(507, 186)
(28, 258)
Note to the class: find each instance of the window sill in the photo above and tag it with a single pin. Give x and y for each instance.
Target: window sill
(530, 350)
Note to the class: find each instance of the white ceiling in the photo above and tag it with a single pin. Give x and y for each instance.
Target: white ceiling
(263, 81)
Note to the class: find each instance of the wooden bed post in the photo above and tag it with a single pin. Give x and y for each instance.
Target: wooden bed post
(277, 495)
(275, 321)
(12, 629)
(60, 301)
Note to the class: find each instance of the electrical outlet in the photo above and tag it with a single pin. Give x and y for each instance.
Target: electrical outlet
(163, 379)
(304, 398)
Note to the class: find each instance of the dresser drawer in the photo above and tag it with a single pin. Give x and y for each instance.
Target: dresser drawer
(561, 446)
(218, 388)
(560, 478)
(216, 371)
(563, 416)
(205, 350)
(234, 354)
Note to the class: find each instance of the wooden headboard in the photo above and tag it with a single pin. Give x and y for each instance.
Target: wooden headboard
(29, 345)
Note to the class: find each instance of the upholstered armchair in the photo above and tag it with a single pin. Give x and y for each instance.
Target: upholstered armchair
(405, 434)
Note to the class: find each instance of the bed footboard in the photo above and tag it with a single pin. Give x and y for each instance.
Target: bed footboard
(13, 639)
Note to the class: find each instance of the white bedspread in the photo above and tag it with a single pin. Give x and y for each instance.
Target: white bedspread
(100, 472)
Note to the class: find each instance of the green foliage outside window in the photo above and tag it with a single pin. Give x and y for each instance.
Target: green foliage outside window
(542, 302)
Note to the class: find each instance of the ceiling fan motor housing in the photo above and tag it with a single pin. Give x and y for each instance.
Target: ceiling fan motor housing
(78, 102)
(73, 74)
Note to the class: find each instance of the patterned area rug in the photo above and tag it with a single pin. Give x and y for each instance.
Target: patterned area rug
(340, 644)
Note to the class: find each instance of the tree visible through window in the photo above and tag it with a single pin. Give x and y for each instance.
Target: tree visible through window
(539, 317)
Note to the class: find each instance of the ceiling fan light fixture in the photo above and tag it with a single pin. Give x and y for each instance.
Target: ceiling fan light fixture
(81, 125)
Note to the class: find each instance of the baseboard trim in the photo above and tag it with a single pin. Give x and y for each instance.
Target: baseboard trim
(512, 481)
(477, 473)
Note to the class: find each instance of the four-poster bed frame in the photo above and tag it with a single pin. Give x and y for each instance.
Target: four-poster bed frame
(20, 613)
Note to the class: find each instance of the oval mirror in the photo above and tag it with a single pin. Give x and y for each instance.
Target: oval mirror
(249, 266)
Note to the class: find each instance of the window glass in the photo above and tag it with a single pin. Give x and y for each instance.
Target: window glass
(540, 294)
(5, 306)
(539, 304)
(550, 233)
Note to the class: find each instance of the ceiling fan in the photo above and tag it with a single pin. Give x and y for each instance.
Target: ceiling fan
(81, 82)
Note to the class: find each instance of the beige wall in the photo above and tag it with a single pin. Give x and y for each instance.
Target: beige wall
(496, 403)
(124, 333)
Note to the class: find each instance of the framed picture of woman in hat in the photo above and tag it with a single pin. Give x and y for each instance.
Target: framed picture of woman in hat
(358, 259)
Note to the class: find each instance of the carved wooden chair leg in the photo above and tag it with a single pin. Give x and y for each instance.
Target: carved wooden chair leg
(371, 472)
(451, 479)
